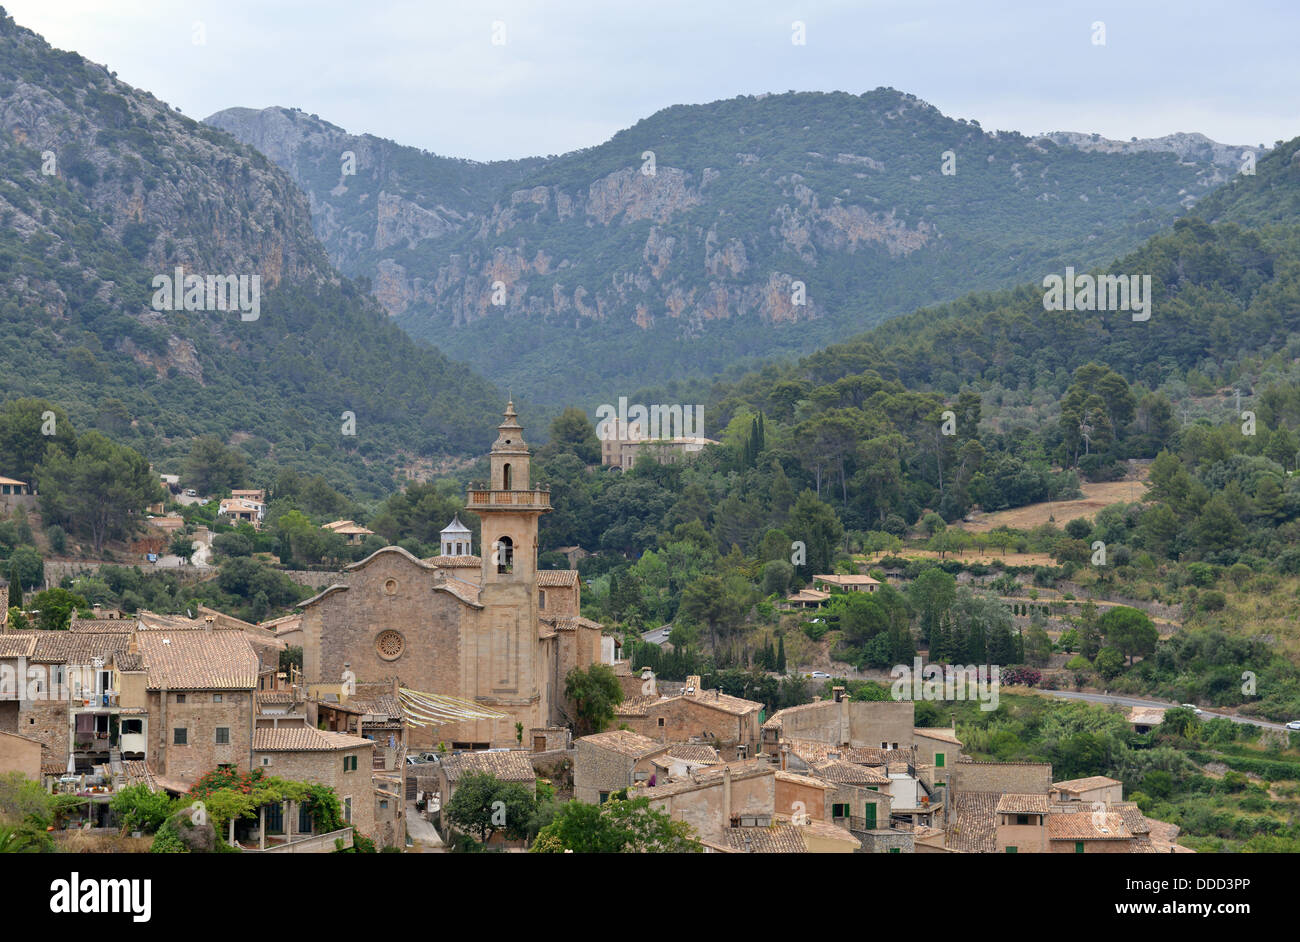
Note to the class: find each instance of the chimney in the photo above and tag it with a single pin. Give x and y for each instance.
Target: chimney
(726, 795)
(207, 622)
(692, 683)
(785, 756)
(838, 694)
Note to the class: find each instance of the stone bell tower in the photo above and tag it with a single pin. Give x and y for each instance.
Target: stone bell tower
(509, 508)
(506, 667)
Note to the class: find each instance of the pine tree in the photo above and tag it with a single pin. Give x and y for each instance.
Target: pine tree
(15, 587)
(780, 655)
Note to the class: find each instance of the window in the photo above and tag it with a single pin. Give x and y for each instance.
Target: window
(216, 698)
(839, 810)
(304, 820)
(130, 727)
(894, 850)
(266, 760)
(1078, 847)
(347, 810)
(661, 721)
(541, 598)
(938, 760)
(275, 819)
(505, 553)
(389, 645)
(1011, 849)
(349, 763)
(180, 698)
(604, 797)
(383, 804)
(223, 735)
(180, 736)
(1023, 819)
(884, 745)
(505, 476)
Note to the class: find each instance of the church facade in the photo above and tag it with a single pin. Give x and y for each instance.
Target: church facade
(486, 628)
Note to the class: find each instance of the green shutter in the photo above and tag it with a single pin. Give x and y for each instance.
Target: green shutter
(894, 850)
(869, 812)
(938, 760)
(1078, 847)
(1010, 849)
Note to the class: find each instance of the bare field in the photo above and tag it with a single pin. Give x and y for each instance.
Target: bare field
(1095, 497)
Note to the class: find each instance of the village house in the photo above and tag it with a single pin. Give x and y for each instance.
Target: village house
(199, 694)
(714, 799)
(352, 532)
(243, 510)
(729, 724)
(508, 766)
(337, 760)
(1095, 788)
(844, 583)
(20, 754)
(780, 835)
(683, 758)
(605, 763)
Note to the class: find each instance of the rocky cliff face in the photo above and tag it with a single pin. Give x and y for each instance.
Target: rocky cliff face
(103, 190)
(760, 225)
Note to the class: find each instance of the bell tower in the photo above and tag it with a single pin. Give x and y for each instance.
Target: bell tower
(503, 668)
(509, 507)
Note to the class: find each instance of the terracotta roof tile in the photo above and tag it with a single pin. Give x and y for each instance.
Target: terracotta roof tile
(304, 739)
(547, 578)
(1076, 785)
(624, 742)
(198, 660)
(513, 766)
(1023, 804)
(974, 826)
(1086, 826)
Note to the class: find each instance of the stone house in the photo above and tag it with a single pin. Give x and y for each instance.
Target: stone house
(199, 695)
(730, 724)
(606, 762)
(508, 766)
(1022, 824)
(1090, 791)
(712, 800)
(842, 721)
(342, 762)
(683, 758)
(20, 754)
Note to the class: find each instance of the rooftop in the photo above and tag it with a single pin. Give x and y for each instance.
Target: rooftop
(513, 766)
(304, 739)
(198, 660)
(625, 743)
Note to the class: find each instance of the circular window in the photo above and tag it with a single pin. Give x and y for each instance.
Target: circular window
(389, 645)
(390, 586)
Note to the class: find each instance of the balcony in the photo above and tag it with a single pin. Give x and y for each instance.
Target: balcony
(485, 499)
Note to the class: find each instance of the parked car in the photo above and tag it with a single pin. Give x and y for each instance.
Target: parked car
(1294, 724)
(190, 492)
(429, 756)
(1193, 707)
(820, 675)
(416, 760)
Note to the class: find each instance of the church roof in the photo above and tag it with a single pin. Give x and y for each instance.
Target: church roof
(455, 526)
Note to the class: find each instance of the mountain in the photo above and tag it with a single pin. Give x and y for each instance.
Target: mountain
(692, 268)
(104, 190)
(1225, 310)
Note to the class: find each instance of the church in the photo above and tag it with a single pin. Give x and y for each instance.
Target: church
(489, 629)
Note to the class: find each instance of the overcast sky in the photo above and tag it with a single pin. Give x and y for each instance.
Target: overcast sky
(571, 73)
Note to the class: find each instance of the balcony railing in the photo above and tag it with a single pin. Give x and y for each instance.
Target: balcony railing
(493, 498)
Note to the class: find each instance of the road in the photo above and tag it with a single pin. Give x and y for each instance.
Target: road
(1139, 702)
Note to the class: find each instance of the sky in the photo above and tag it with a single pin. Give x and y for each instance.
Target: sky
(512, 78)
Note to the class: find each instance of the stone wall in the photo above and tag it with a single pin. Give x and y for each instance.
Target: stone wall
(200, 715)
(1023, 778)
(325, 767)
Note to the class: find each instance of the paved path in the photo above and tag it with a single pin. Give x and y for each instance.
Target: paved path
(423, 834)
(1139, 702)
